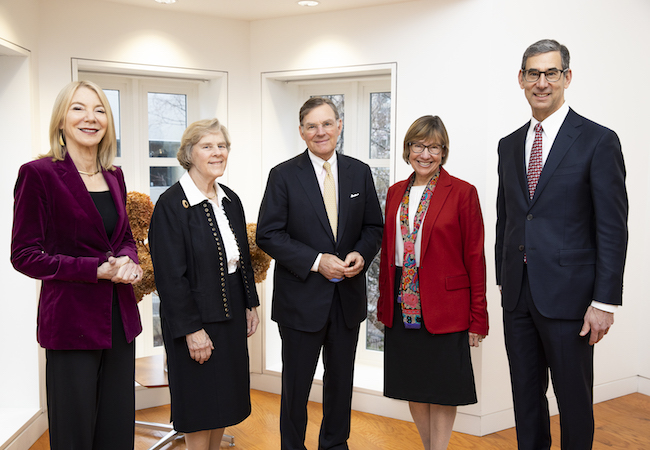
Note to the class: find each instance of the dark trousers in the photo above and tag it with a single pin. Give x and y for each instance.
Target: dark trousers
(534, 344)
(300, 352)
(90, 395)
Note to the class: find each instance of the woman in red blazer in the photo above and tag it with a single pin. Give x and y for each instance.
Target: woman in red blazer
(71, 231)
(431, 285)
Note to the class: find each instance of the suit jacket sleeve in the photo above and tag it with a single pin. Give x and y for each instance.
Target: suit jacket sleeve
(609, 196)
(472, 232)
(373, 223)
(501, 222)
(273, 225)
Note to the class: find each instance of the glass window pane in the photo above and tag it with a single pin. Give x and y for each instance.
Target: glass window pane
(374, 328)
(339, 102)
(113, 96)
(167, 121)
(380, 125)
(157, 325)
(161, 178)
(381, 177)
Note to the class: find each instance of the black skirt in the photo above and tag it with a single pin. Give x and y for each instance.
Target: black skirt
(215, 394)
(424, 367)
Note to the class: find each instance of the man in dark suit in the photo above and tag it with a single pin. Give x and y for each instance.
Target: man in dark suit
(560, 250)
(321, 221)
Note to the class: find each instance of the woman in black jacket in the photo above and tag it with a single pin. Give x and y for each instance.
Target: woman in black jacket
(204, 278)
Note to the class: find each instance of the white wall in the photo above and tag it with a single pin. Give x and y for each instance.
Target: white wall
(153, 37)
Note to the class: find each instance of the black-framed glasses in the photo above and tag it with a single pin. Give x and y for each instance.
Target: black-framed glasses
(551, 75)
(418, 147)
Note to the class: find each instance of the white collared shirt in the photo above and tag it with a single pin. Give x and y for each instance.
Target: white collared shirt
(194, 197)
(415, 196)
(321, 173)
(550, 127)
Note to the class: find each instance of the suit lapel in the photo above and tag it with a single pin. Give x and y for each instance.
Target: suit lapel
(520, 160)
(307, 178)
(569, 132)
(345, 190)
(440, 194)
(78, 193)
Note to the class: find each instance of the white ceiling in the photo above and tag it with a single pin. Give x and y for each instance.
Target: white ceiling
(255, 9)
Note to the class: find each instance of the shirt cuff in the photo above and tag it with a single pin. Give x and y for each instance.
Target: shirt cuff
(314, 267)
(604, 306)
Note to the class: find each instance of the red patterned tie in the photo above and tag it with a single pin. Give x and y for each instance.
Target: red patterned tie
(535, 163)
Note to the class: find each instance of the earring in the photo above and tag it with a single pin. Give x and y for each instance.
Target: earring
(61, 141)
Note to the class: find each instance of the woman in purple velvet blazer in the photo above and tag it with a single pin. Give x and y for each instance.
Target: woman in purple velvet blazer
(71, 231)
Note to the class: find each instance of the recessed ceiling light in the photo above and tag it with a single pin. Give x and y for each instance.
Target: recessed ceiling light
(167, 2)
(308, 3)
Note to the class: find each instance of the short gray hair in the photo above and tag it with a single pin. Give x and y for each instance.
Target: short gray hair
(193, 134)
(545, 46)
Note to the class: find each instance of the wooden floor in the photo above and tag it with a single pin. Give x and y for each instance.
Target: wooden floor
(622, 423)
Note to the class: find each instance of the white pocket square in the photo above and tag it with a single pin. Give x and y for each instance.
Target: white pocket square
(356, 194)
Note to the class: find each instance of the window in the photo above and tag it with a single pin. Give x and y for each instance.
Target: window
(150, 117)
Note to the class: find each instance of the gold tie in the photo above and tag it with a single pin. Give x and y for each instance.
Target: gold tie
(329, 196)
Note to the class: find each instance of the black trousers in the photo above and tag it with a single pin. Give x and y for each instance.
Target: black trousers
(300, 352)
(534, 344)
(91, 396)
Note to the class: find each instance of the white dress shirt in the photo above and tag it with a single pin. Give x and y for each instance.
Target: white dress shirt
(194, 197)
(414, 200)
(321, 173)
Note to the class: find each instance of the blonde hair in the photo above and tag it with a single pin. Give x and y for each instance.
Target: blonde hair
(193, 134)
(107, 148)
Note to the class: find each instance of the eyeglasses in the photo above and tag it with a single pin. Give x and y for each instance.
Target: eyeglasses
(552, 75)
(418, 147)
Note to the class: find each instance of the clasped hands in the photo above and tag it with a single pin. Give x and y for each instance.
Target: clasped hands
(120, 270)
(333, 268)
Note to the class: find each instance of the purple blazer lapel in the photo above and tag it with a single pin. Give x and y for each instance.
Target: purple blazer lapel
(117, 192)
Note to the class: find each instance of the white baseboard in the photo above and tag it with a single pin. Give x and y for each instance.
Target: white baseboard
(151, 397)
(31, 432)
(644, 385)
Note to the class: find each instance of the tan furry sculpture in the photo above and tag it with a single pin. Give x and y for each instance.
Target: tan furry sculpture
(139, 209)
(260, 260)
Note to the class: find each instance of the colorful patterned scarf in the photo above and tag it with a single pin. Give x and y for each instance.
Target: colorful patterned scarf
(409, 297)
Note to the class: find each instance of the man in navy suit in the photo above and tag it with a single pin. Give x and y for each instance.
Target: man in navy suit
(560, 250)
(321, 221)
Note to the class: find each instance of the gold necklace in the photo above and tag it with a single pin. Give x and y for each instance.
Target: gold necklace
(90, 174)
(212, 196)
